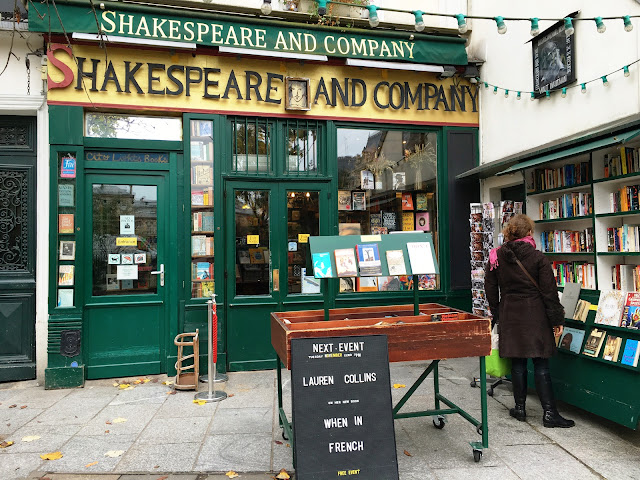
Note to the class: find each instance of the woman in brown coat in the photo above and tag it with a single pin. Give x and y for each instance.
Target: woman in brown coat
(528, 316)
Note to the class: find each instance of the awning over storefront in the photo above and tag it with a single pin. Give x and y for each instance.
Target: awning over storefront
(578, 149)
(247, 32)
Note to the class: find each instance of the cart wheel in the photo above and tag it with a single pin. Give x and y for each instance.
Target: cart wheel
(284, 435)
(473, 383)
(479, 430)
(490, 391)
(438, 422)
(477, 455)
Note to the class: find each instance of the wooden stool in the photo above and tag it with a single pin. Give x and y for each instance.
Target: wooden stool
(187, 375)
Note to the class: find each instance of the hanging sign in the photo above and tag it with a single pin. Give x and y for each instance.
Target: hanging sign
(68, 168)
(127, 225)
(342, 417)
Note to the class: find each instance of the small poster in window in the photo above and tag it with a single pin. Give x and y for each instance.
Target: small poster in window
(66, 275)
(127, 225)
(399, 181)
(127, 259)
(421, 201)
(68, 167)
(112, 282)
(67, 250)
(344, 200)
(407, 201)
(114, 259)
(389, 220)
(407, 221)
(65, 297)
(65, 223)
(422, 221)
(140, 258)
(366, 180)
(65, 195)
(359, 201)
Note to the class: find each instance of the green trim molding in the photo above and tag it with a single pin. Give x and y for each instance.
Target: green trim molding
(209, 29)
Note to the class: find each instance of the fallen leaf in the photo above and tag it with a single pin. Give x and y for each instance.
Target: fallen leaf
(231, 395)
(106, 431)
(6, 444)
(399, 385)
(13, 406)
(156, 466)
(407, 454)
(146, 380)
(114, 453)
(172, 392)
(23, 407)
(90, 464)
(288, 445)
(119, 420)
(51, 456)
(137, 382)
(278, 442)
(116, 384)
(31, 438)
(108, 422)
(155, 380)
(231, 474)
(124, 385)
(167, 382)
(283, 475)
(163, 477)
(130, 387)
(200, 402)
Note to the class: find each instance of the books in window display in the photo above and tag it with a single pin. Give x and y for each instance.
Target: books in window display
(610, 307)
(201, 245)
(202, 270)
(201, 175)
(594, 343)
(203, 221)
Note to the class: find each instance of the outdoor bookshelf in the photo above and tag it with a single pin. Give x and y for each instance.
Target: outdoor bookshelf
(598, 197)
(202, 219)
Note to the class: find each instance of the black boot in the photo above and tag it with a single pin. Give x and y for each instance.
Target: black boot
(550, 418)
(519, 381)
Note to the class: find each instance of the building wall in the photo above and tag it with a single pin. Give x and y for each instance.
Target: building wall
(509, 127)
(16, 100)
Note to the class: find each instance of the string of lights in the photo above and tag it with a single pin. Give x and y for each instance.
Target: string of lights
(563, 91)
(501, 25)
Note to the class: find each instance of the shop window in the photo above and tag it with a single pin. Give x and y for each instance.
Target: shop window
(252, 242)
(302, 147)
(136, 127)
(387, 183)
(251, 152)
(303, 220)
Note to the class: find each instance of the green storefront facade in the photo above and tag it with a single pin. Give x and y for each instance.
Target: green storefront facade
(179, 173)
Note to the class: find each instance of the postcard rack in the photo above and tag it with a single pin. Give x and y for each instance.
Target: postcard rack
(418, 332)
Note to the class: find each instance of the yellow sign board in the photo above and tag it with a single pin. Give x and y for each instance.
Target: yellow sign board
(126, 241)
(182, 82)
(303, 238)
(253, 239)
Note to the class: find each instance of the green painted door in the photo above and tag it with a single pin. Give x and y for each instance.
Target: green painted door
(267, 225)
(126, 231)
(17, 248)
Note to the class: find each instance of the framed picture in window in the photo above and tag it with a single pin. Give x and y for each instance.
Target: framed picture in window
(553, 62)
(297, 93)
(68, 250)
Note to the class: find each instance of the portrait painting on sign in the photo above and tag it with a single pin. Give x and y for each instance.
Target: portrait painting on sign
(552, 60)
(297, 92)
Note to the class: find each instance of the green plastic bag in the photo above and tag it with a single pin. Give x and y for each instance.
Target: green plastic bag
(496, 365)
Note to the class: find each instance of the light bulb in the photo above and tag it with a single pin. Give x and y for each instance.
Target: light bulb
(626, 71)
(419, 20)
(519, 96)
(583, 88)
(266, 7)
(374, 21)
(564, 92)
(547, 94)
(322, 7)
(533, 96)
(568, 27)
(600, 24)
(502, 28)
(605, 82)
(486, 85)
(462, 23)
(535, 29)
(628, 26)
(495, 90)
(506, 93)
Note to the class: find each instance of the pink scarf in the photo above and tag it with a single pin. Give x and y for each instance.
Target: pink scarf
(493, 254)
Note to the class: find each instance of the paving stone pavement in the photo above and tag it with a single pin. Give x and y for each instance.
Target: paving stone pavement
(150, 433)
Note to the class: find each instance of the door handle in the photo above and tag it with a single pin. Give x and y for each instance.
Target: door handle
(161, 273)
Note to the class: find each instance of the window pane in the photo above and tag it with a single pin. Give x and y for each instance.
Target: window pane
(252, 242)
(201, 146)
(124, 212)
(303, 219)
(302, 148)
(387, 182)
(251, 146)
(111, 125)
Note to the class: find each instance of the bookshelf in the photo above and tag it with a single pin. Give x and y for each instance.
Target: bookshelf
(202, 218)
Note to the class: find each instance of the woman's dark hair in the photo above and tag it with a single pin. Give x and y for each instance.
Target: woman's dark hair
(518, 227)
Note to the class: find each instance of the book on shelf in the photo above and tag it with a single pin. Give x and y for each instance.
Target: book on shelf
(610, 307)
(359, 200)
(594, 343)
(427, 282)
(422, 201)
(631, 313)
(407, 222)
(201, 245)
(569, 299)
(208, 288)
(65, 297)
(622, 277)
(369, 263)
(197, 197)
(65, 223)
(366, 180)
(573, 204)
(422, 221)
(203, 221)
(420, 258)
(395, 262)
(582, 310)
(630, 353)
(344, 200)
(623, 239)
(347, 284)
(389, 284)
(345, 262)
(565, 176)
(367, 284)
(567, 241)
(349, 229)
(375, 220)
(612, 348)
(310, 284)
(624, 199)
(407, 201)
(202, 175)
(580, 272)
(322, 265)
(622, 162)
(389, 220)
(66, 275)
(571, 339)
(202, 270)
(379, 230)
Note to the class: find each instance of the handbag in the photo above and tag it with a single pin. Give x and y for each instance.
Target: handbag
(496, 366)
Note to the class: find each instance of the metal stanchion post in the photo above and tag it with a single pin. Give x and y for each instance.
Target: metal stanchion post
(211, 395)
(218, 377)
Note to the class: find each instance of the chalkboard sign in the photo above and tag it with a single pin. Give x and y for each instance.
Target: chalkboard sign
(342, 417)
